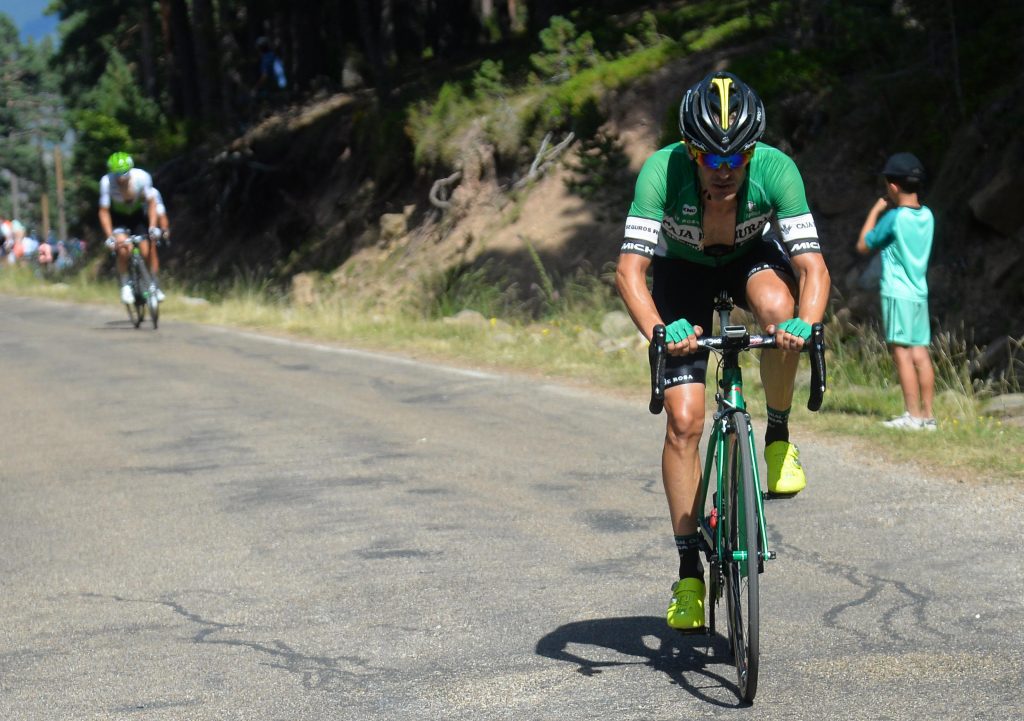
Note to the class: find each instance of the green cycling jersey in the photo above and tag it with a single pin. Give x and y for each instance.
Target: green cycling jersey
(665, 217)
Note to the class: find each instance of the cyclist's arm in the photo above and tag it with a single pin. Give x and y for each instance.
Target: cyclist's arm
(631, 281)
(814, 283)
(151, 210)
(106, 223)
(813, 287)
(161, 212)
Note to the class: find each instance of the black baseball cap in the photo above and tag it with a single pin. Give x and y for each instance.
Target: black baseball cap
(905, 166)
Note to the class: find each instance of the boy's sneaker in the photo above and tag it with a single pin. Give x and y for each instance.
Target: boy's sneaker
(127, 294)
(686, 611)
(906, 422)
(929, 424)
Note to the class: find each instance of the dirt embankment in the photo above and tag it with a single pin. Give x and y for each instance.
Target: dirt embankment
(330, 188)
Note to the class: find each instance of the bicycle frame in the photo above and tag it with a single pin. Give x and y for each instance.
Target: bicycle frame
(730, 401)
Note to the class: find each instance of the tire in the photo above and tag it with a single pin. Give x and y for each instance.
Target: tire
(741, 577)
(137, 310)
(143, 279)
(154, 311)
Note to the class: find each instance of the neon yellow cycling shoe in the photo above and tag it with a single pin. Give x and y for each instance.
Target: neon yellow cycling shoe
(785, 474)
(686, 611)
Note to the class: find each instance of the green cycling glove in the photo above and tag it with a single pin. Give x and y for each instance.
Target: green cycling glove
(678, 330)
(798, 327)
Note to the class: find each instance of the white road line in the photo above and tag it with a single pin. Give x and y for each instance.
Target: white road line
(396, 360)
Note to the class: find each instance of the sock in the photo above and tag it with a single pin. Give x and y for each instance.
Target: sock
(689, 556)
(778, 426)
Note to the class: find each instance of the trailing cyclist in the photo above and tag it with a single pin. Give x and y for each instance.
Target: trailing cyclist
(128, 205)
(720, 211)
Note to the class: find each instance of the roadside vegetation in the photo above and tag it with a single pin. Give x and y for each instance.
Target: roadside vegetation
(559, 335)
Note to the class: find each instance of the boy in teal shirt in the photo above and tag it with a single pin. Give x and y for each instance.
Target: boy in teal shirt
(902, 228)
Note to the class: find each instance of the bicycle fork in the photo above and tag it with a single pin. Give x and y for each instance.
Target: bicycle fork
(711, 526)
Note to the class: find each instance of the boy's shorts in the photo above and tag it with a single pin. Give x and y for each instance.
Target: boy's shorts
(906, 322)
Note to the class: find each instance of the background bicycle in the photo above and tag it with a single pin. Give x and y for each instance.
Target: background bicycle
(143, 286)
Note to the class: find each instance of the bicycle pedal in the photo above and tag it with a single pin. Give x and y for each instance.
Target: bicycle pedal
(773, 496)
(700, 630)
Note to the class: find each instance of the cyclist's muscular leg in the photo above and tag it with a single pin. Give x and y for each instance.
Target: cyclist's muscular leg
(122, 250)
(148, 249)
(680, 467)
(772, 298)
(680, 459)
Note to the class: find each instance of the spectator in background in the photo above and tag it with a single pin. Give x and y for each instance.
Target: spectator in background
(29, 244)
(46, 252)
(6, 241)
(271, 82)
(14, 240)
(901, 228)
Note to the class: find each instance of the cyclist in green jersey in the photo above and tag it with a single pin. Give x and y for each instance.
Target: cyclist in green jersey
(720, 211)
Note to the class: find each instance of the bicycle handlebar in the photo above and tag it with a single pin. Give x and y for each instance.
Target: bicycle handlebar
(734, 340)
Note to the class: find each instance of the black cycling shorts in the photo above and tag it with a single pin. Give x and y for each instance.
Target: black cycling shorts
(134, 223)
(687, 290)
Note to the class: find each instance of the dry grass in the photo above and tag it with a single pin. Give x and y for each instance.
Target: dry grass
(563, 345)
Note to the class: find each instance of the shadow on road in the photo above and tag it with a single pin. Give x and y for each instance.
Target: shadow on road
(124, 325)
(686, 659)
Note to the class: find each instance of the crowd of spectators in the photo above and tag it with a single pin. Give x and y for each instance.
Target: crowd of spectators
(21, 247)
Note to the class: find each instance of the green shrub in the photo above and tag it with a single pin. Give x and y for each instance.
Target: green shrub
(467, 287)
(565, 51)
(488, 82)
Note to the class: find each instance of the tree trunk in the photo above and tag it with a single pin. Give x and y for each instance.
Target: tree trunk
(371, 44)
(387, 32)
(182, 68)
(148, 53)
(206, 57)
(231, 84)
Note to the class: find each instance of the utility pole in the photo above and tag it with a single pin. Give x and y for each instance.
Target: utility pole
(44, 210)
(58, 169)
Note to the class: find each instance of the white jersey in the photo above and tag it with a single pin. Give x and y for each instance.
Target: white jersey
(130, 201)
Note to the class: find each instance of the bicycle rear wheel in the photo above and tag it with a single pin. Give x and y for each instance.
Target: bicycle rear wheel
(741, 560)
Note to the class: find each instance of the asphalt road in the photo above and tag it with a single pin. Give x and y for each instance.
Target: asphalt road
(200, 523)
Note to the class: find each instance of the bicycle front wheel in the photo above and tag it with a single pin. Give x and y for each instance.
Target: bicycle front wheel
(741, 559)
(136, 309)
(154, 309)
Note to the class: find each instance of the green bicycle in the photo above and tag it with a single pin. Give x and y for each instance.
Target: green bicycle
(734, 533)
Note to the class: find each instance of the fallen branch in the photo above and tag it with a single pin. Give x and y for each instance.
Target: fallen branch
(544, 159)
(436, 198)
